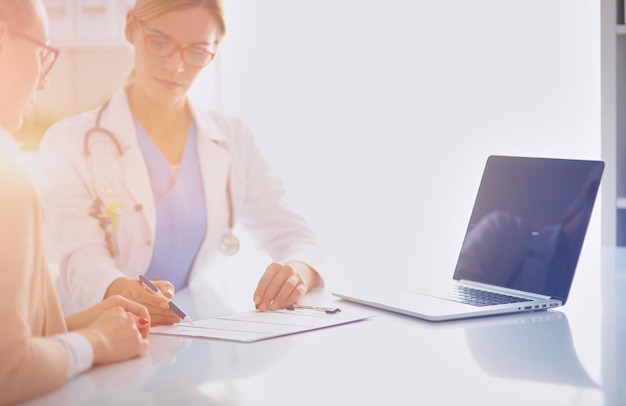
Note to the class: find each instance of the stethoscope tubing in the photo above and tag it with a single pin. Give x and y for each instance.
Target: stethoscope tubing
(229, 243)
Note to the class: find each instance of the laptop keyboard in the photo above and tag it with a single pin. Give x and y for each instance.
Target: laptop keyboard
(471, 296)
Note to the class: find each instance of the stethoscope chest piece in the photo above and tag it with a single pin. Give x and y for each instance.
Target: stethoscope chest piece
(229, 245)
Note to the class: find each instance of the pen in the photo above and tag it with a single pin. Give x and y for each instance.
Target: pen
(146, 282)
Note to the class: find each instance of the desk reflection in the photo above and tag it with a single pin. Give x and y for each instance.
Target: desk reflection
(201, 373)
(536, 347)
(175, 371)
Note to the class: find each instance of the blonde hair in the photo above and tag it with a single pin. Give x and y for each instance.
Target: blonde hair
(146, 10)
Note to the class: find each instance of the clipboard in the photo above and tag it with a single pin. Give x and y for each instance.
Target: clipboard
(255, 325)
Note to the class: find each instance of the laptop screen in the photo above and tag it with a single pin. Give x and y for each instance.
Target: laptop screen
(528, 223)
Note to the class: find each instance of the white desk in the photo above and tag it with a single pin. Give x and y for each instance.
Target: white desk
(576, 356)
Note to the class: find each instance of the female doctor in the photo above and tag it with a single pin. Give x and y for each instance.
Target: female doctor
(150, 184)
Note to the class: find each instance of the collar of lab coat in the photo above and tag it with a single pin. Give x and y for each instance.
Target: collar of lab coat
(118, 118)
(213, 152)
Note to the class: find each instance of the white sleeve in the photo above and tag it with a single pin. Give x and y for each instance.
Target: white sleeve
(79, 352)
(86, 269)
(261, 207)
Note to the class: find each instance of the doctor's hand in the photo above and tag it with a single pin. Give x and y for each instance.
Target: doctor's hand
(159, 308)
(283, 284)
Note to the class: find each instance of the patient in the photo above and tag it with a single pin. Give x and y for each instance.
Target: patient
(37, 352)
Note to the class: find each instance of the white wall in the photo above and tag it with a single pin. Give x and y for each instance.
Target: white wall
(379, 115)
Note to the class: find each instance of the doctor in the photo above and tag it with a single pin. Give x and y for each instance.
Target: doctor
(150, 184)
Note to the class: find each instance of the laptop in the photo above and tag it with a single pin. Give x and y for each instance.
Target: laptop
(521, 246)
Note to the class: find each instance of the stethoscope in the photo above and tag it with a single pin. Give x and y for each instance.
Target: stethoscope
(109, 201)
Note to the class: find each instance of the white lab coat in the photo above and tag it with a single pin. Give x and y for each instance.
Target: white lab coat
(86, 268)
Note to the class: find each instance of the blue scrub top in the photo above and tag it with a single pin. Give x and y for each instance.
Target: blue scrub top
(181, 221)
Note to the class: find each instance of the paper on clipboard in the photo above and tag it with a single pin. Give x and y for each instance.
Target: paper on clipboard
(255, 325)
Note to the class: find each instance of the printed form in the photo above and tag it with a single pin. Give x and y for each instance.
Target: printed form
(255, 325)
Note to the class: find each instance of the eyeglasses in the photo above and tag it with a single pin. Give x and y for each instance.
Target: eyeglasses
(161, 46)
(47, 54)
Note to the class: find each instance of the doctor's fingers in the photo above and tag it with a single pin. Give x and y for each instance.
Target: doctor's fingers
(159, 315)
(165, 287)
(264, 283)
(158, 307)
(167, 320)
(292, 290)
(276, 285)
(137, 292)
